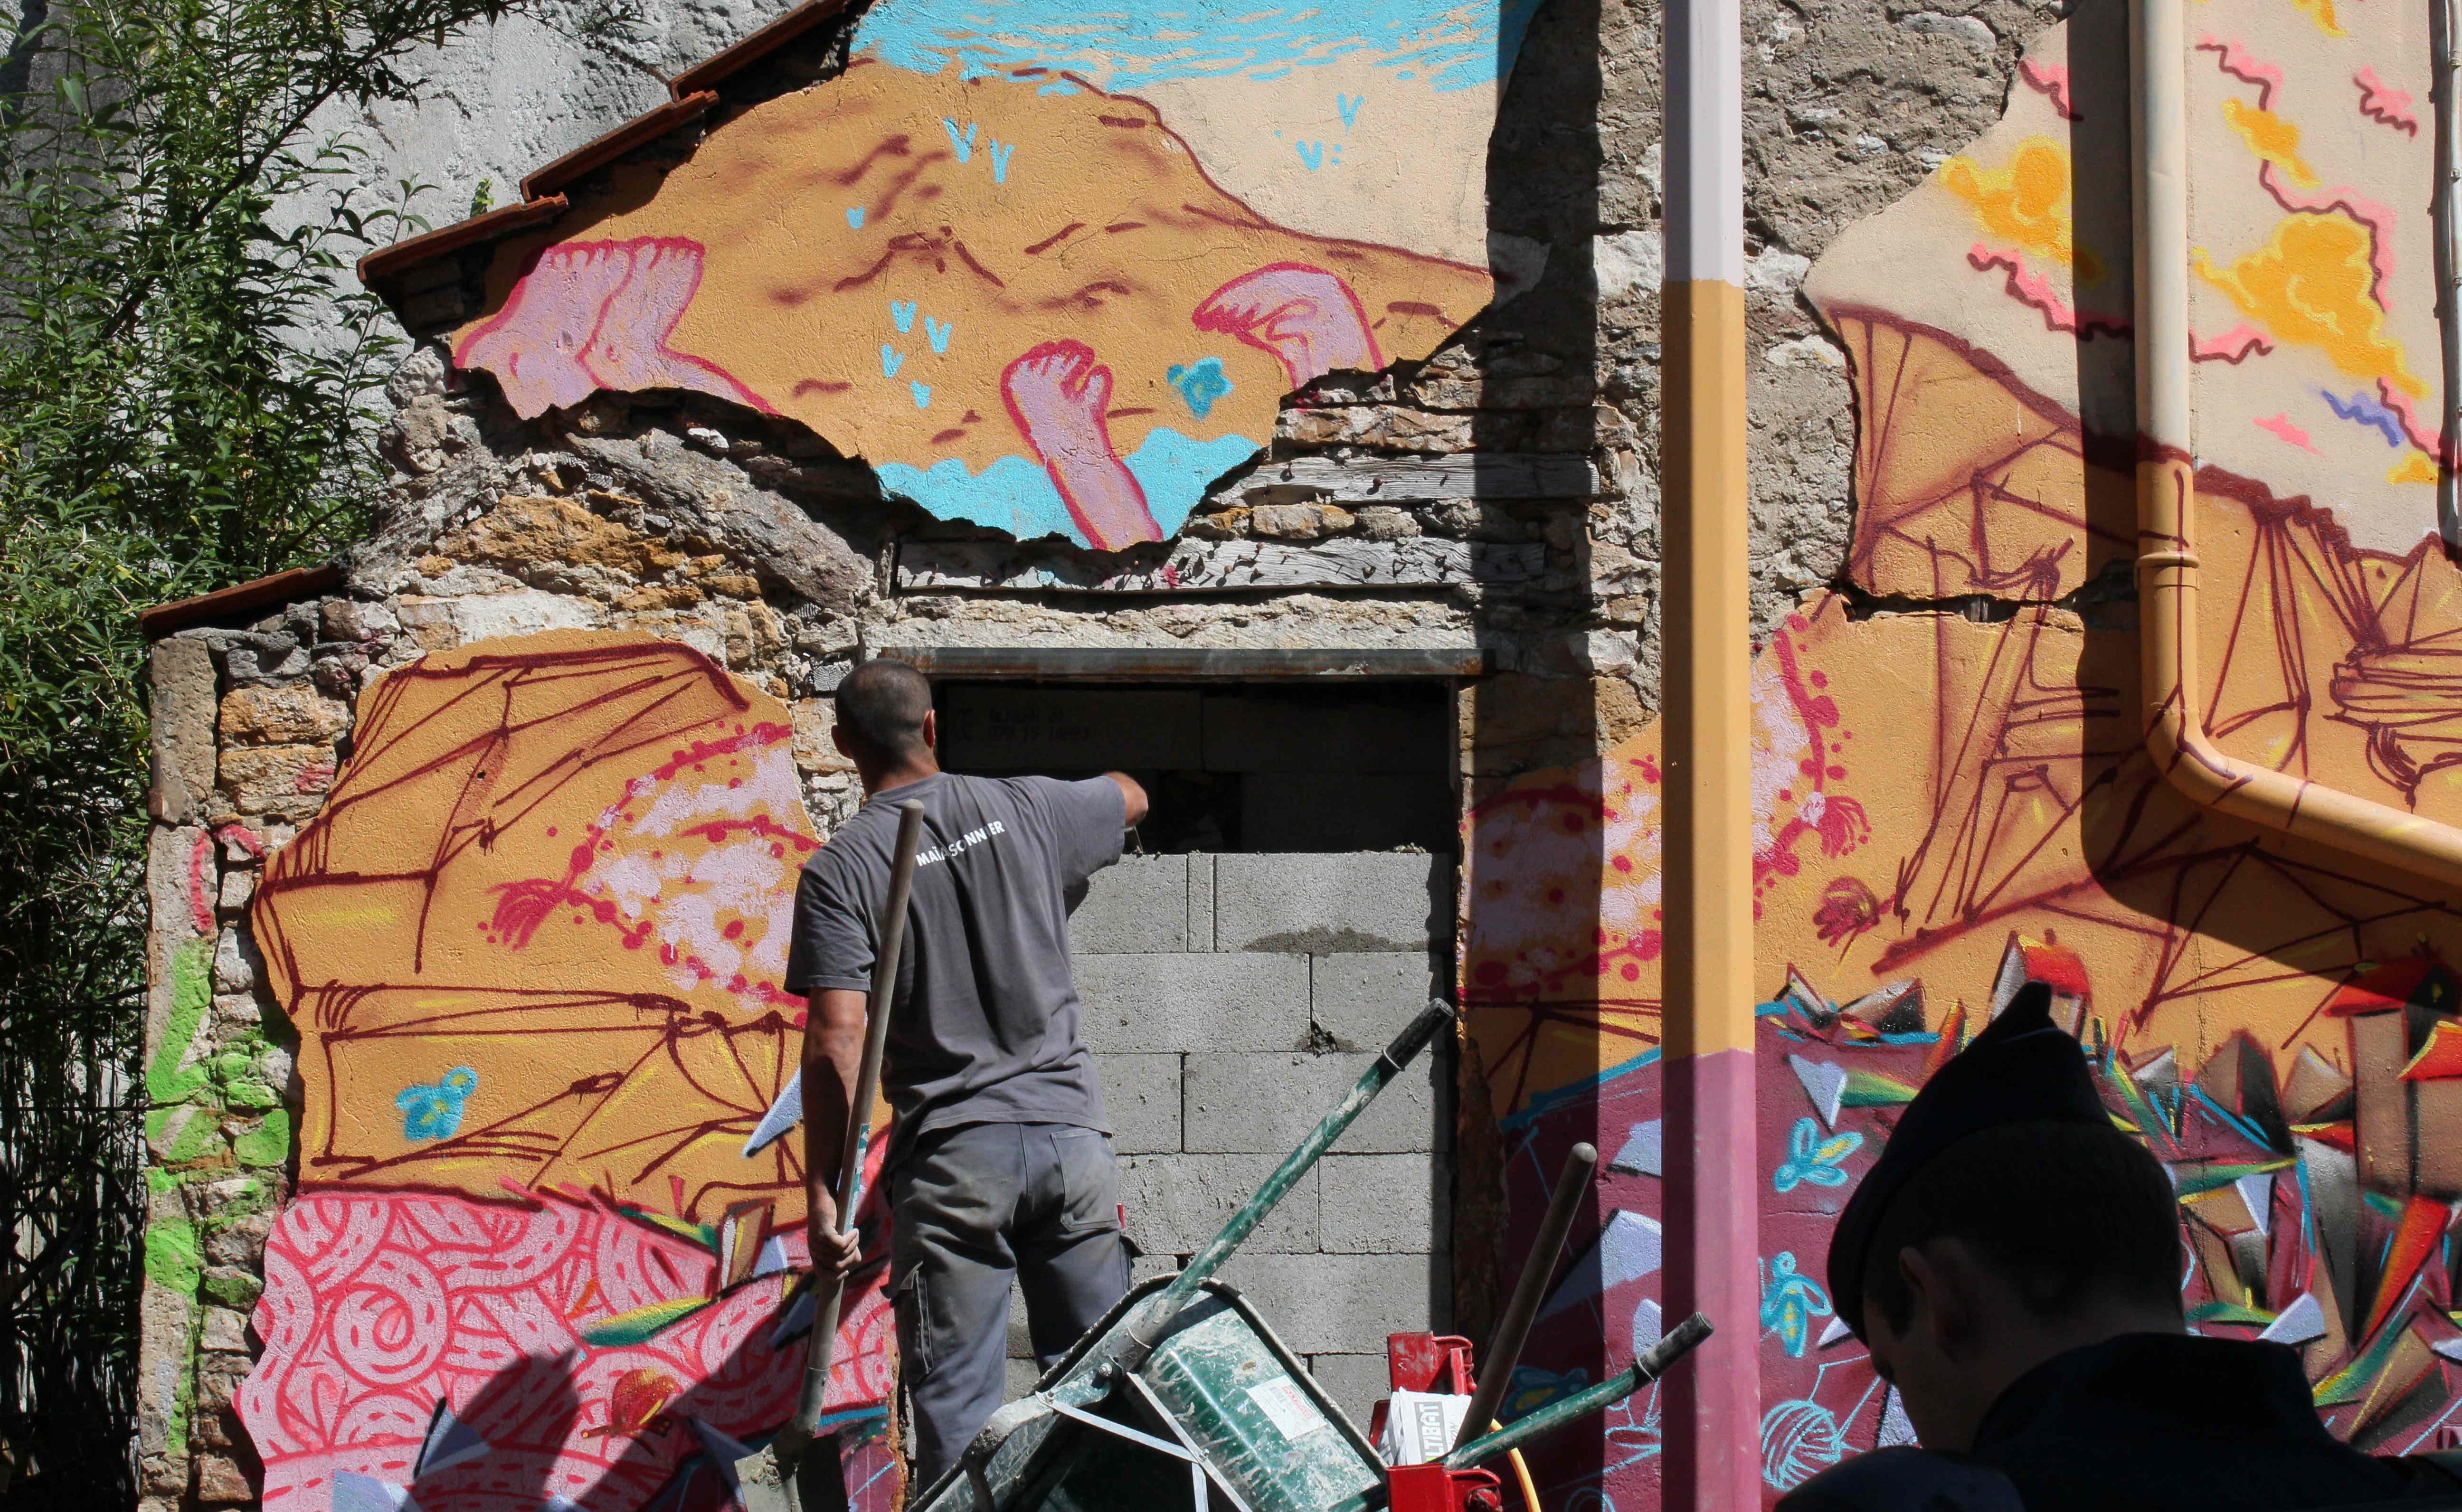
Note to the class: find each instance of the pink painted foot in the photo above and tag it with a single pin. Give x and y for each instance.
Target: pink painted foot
(1057, 395)
(1305, 316)
(534, 344)
(593, 315)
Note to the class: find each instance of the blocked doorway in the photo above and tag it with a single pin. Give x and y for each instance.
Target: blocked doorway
(1289, 909)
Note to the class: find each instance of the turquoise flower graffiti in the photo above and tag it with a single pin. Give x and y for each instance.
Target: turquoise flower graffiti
(1199, 383)
(1809, 1157)
(435, 1112)
(1790, 1300)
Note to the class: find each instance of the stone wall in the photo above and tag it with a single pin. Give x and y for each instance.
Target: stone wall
(751, 540)
(250, 721)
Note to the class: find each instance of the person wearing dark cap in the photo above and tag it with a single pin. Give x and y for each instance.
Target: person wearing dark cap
(2012, 1260)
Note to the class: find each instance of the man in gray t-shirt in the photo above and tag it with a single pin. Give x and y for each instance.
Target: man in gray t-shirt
(998, 1162)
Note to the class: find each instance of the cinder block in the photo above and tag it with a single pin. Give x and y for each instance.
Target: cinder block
(1363, 999)
(1385, 1205)
(1178, 1201)
(1201, 903)
(1069, 729)
(1320, 904)
(1336, 1303)
(1350, 811)
(1356, 1383)
(1266, 1103)
(1138, 905)
(1165, 1002)
(1141, 1092)
(1143, 1269)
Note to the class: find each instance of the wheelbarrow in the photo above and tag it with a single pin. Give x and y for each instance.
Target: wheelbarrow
(1184, 1385)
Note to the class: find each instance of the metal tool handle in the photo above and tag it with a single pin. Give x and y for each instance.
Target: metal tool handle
(1679, 1342)
(1513, 1330)
(1141, 1339)
(831, 1290)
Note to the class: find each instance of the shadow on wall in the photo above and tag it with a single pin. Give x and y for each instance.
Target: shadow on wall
(659, 1397)
(1541, 707)
(1953, 797)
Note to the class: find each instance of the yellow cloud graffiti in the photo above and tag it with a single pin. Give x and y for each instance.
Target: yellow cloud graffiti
(2312, 283)
(2027, 201)
(2321, 11)
(2414, 468)
(2271, 138)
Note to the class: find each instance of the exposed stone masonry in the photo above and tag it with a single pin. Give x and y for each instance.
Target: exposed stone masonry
(756, 543)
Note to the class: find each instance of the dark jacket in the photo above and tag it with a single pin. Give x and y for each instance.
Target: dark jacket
(2142, 1422)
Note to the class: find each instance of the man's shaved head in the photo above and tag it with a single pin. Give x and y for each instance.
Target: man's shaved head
(881, 707)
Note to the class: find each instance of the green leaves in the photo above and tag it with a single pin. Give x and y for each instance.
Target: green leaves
(188, 389)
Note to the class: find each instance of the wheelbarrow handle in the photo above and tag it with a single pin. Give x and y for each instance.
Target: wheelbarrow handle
(1505, 1350)
(1149, 1330)
(1655, 1362)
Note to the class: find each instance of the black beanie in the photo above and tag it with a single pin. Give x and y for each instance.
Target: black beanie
(2021, 1068)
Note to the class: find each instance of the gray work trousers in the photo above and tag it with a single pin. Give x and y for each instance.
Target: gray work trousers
(971, 1208)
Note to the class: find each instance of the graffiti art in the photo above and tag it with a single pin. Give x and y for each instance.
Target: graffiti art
(532, 945)
(1047, 271)
(1955, 801)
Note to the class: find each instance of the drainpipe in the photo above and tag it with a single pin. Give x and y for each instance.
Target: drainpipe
(2442, 16)
(1712, 1435)
(2183, 751)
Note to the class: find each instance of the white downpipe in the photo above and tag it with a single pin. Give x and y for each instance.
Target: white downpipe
(1712, 1411)
(2158, 124)
(1704, 154)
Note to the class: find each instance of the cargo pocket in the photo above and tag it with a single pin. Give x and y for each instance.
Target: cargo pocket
(1089, 1182)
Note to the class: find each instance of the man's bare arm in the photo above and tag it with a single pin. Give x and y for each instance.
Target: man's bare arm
(1133, 796)
(832, 1061)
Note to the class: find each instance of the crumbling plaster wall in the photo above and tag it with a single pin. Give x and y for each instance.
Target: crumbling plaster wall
(753, 542)
(1848, 105)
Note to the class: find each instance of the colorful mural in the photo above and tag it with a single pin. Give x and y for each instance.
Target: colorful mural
(1045, 272)
(1951, 804)
(545, 1249)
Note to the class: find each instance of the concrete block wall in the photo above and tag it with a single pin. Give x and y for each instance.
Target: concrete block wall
(1230, 1001)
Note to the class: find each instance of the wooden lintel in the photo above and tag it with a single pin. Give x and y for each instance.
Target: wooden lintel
(1351, 480)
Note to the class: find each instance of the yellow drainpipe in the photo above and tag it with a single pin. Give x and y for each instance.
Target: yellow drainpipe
(1713, 1186)
(2183, 748)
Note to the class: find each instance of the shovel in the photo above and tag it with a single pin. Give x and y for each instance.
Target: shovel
(787, 1477)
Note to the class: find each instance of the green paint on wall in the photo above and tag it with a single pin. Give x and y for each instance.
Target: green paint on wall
(174, 1260)
(192, 993)
(267, 1144)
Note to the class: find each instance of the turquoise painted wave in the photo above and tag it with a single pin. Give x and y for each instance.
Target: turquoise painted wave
(1446, 44)
(1015, 495)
